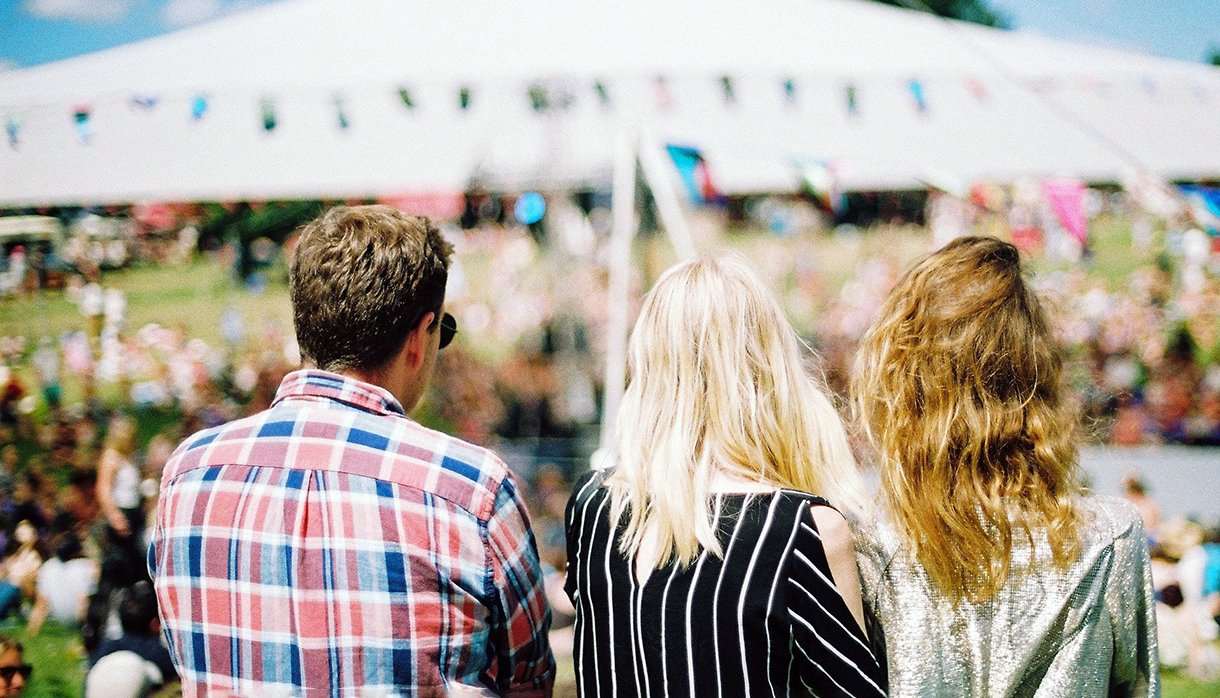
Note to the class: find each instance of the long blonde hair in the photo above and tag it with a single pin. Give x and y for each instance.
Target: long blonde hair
(717, 383)
(957, 385)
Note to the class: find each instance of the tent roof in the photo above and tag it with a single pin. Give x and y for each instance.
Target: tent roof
(1094, 111)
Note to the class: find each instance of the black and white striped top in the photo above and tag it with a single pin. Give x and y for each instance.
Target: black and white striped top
(767, 620)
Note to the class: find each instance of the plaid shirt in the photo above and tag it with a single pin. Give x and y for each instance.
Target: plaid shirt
(332, 546)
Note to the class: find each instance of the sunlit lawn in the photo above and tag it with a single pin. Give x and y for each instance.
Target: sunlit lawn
(195, 295)
(1178, 685)
(57, 657)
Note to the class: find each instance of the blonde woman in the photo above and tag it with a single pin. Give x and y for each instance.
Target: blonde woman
(702, 563)
(988, 569)
(118, 495)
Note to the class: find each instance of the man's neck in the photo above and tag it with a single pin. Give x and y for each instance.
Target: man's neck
(397, 385)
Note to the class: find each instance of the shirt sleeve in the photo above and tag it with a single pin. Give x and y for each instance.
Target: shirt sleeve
(523, 663)
(573, 530)
(1129, 603)
(831, 655)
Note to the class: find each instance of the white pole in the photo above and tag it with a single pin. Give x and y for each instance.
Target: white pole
(623, 232)
(657, 175)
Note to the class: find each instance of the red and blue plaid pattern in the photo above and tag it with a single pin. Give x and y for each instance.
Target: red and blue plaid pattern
(332, 546)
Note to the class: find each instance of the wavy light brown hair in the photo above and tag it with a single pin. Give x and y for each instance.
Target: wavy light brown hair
(957, 385)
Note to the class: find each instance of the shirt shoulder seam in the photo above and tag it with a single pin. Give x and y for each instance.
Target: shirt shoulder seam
(474, 508)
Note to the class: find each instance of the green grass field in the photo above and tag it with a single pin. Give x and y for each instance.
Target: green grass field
(1177, 685)
(194, 295)
(57, 657)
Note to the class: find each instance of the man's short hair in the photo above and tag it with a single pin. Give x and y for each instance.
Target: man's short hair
(361, 279)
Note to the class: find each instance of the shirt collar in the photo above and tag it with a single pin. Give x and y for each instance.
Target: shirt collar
(312, 383)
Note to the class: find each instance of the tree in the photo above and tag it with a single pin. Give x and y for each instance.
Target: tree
(1215, 60)
(977, 11)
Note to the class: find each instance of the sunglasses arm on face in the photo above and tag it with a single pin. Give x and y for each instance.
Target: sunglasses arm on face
(449, 329)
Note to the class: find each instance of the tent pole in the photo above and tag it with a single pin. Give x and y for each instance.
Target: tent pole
(623, 232)
(656, 174)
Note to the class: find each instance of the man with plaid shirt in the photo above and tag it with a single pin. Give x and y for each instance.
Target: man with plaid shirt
(332, 546)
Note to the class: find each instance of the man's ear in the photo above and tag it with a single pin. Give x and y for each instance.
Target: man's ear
(416, 347)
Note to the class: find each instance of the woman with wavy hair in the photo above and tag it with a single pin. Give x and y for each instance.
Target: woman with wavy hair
(989, 569)
(702, 563)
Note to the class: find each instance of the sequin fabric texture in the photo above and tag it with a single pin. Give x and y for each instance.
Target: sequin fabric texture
(1087, 630)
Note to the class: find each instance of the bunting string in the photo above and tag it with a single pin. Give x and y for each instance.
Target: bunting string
(554, 95)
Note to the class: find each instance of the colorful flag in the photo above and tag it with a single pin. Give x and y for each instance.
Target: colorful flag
(917, 93)
(1204, 205)
(270, 119)
(696, 176)
(727, 90)
(820, 180)
(539, 101)
(603, 93)
(790, 92)
(199, 107)
(12, 127)
(1066, 199)
(341, 113)
(404, 96)
(145, 102)
(81, 116)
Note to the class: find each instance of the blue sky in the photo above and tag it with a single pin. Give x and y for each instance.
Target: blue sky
(1184, 29)
(39, 31)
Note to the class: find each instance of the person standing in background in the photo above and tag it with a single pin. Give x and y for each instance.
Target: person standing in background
(1136, 492)
(118, 495)
(92, 306)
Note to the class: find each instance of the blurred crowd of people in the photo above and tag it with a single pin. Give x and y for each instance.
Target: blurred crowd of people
(87, 418)
(1144, 359)
(1186, 576)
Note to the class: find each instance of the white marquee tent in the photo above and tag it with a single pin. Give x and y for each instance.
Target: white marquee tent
(999, 105)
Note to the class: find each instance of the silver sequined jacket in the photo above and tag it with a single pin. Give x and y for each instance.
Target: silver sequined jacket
(1089, 630)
